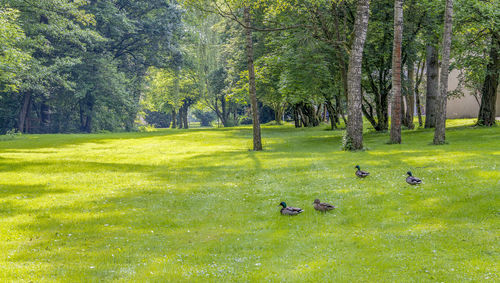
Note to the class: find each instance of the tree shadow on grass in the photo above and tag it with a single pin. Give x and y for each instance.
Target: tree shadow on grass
(36, 142)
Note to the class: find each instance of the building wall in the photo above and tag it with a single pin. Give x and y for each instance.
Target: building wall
(466, 106)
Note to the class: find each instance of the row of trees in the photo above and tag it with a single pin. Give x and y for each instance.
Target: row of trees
(305, 56)
(92, 65)
(69, 66)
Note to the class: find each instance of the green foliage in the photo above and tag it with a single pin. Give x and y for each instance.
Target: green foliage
(205, 117)
(475, 23)
(88, 60)
(13, 59)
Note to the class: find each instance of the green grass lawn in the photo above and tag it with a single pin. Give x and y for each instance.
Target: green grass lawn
(193, 205)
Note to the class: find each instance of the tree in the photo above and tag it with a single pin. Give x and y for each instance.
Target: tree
(431, 96)
(354, 134)
(476, 53)
(396, 73)
(13, 58)
(487, 111)
(257, 141)
(439, 133)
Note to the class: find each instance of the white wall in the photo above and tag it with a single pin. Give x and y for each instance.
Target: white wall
(466, 106)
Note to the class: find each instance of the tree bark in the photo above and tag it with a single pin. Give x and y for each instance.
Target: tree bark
(487, 111)
(410, 101)
(257, 142)
(396, 73)
(354, 137)
(440, 131)
(296, 116)
(185, 117)
(332, 115)
(179, 117)
(24, 112)
(417, 93)
(174, 119)
(432, 85)
(338, 49)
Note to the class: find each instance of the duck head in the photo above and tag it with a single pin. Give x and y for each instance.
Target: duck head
(409, 173)
(283, 204)
(357, 166)
(316, 201)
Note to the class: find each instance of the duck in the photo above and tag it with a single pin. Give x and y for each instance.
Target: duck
(360, 173)
(322, 206)
(288, 210)
(412, 180)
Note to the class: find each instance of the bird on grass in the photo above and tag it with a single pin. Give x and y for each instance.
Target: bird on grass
(322, 206)
(288, 210)
(412, 180)
(360, 173)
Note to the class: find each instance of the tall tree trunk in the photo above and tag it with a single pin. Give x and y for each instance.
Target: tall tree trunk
(354, 137)
(90, 110)
(179, 117)
(417, 92)
(257, 142)
(410, 101)
(432, 84)
(331, 114)
(45, 116)
(487, 111)
(439, 132)
(27, 123)
(339, 51)
(396, 73)
(185, 117)
(296, 116)
(224, 111)
(24, 112)
(419, 108)
(278, 114)
(174, 119)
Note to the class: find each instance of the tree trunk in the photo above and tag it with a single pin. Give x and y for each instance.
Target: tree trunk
(339, 51)
(278, 114)
(257, 142)
(174, 118)
(487, 109)
(27, 121)
(396, 73)
(410, 101)
(89, 111)
(296, 116)
(439, 133)
(331, 114)
(417, 93)
(24, 112)
(185, 117)
(354, 135)
(432, 85)
(45, 116)
(179, 117)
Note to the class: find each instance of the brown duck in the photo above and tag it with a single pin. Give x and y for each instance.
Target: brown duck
(322, 206)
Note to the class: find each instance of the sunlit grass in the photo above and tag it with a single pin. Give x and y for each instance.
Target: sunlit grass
(192, 205)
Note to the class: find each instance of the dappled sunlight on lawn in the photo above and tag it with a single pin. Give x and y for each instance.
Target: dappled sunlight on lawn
(192, 205)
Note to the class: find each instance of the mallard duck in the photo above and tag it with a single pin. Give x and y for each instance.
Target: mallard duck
(412, 180)
(360, 173)
(322, 206)
(287, 210)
